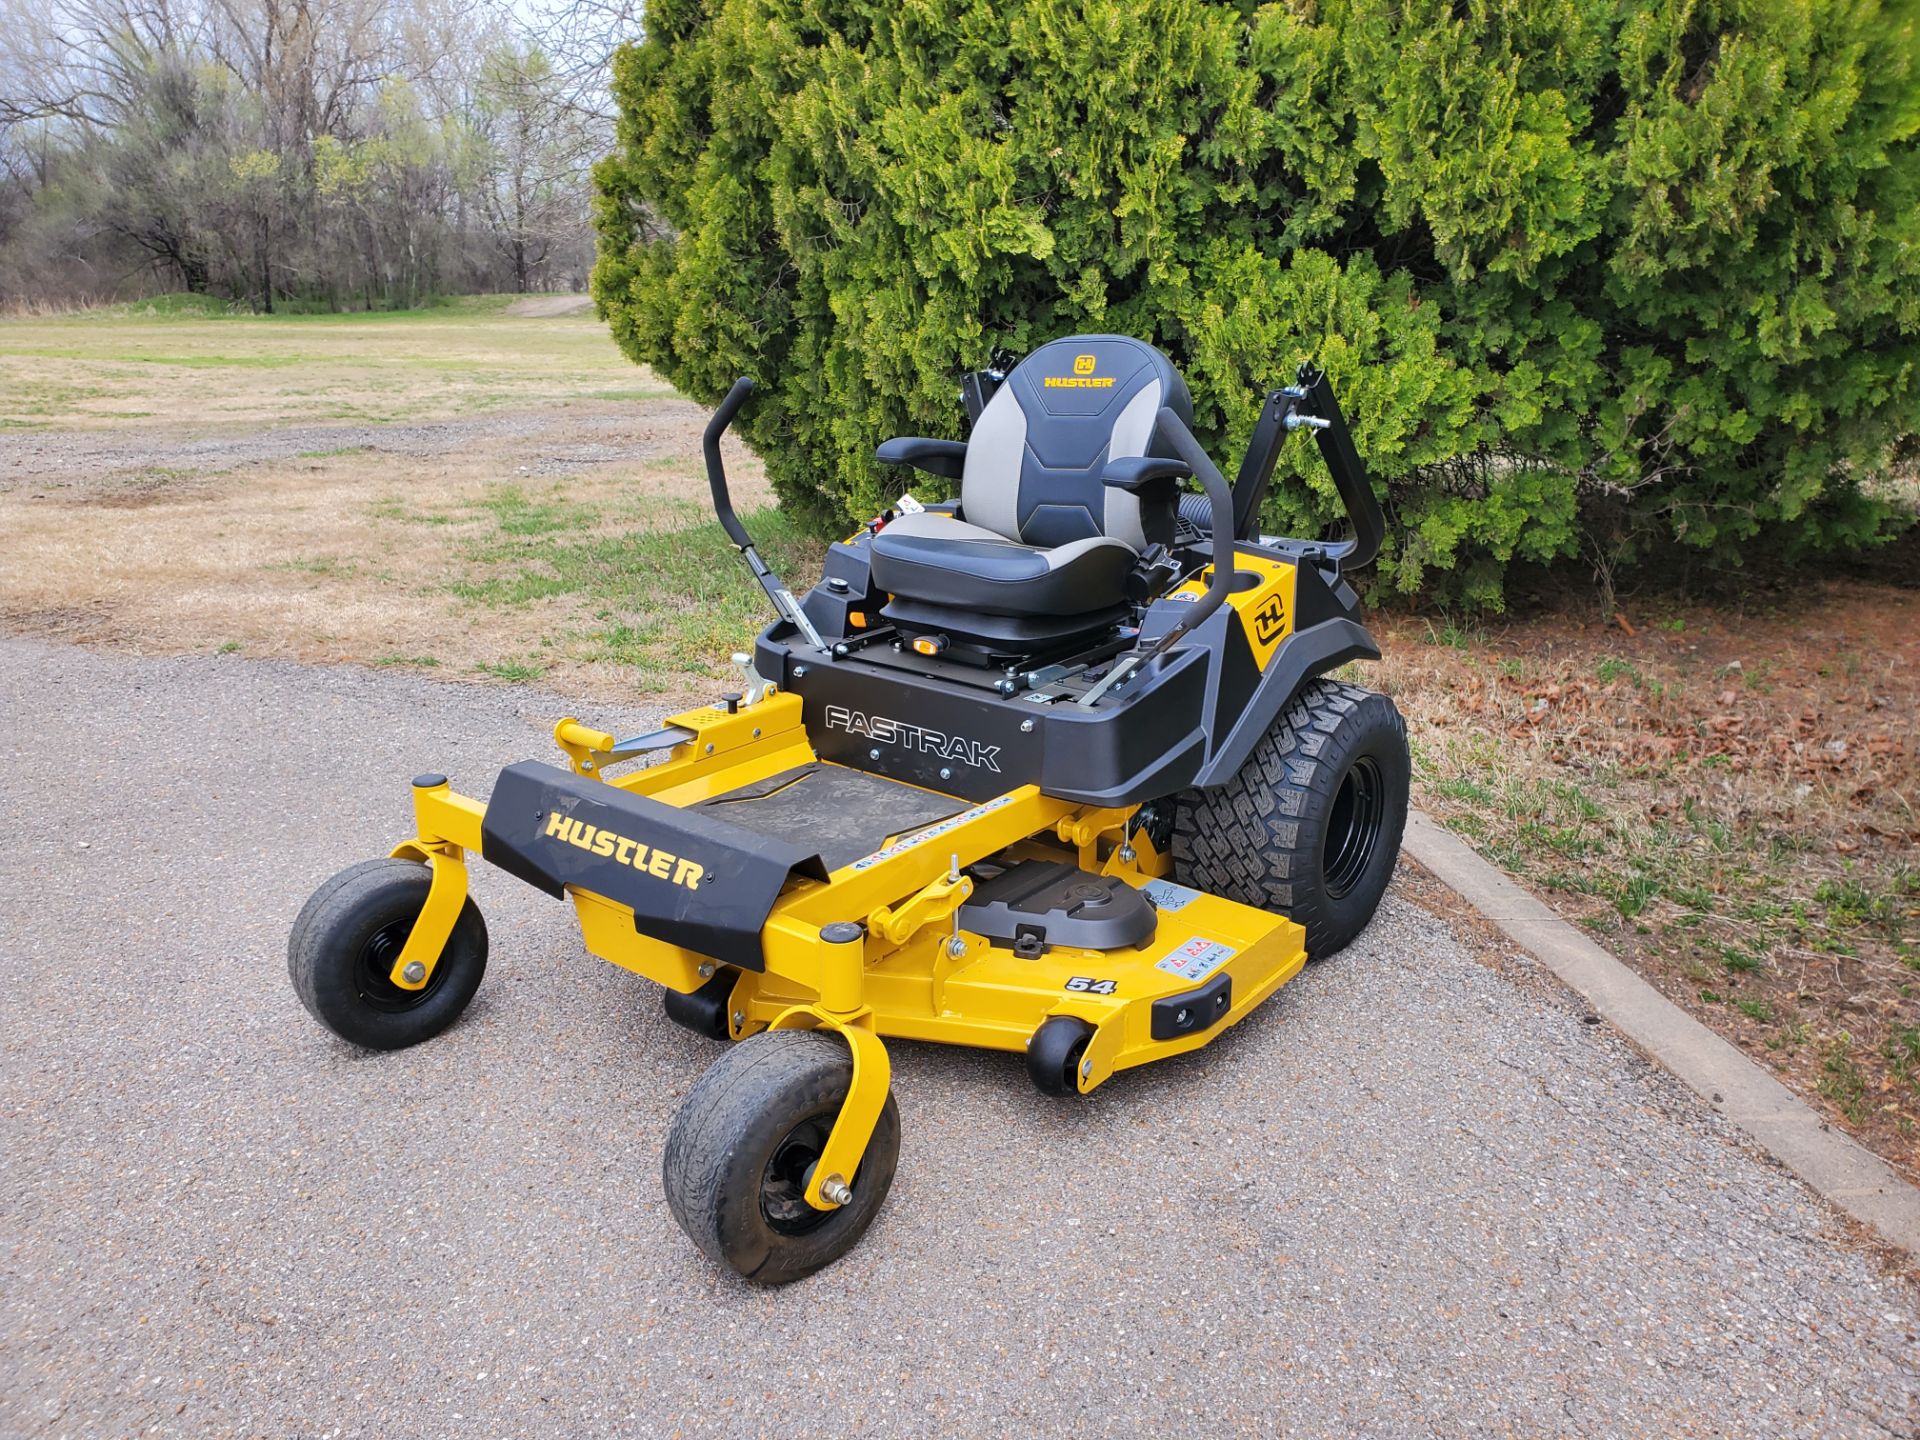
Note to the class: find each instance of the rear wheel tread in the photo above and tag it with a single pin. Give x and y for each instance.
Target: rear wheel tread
(1258, 838)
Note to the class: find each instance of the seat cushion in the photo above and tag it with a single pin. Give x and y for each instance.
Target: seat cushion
(943, 561)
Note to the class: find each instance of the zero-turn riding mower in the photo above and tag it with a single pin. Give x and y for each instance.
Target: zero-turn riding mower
(1056, 768)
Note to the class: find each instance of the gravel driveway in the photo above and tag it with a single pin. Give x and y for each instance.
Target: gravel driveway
(1411, 1197)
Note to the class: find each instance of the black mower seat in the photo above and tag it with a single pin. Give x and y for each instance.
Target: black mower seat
(943, 561)
(1038, 531)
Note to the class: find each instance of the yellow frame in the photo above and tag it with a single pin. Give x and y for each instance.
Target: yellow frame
(914, 974)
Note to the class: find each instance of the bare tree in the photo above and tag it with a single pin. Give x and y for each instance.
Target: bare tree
(338, 151)
(580, 36)
(534, 152)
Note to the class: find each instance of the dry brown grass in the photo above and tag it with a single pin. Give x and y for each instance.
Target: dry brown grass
(182, 484)
(353, 557)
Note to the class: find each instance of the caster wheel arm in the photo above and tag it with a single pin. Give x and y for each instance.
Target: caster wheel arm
(866, 1097)
(446, 896)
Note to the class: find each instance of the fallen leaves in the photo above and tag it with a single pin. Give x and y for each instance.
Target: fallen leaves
(1728, 799)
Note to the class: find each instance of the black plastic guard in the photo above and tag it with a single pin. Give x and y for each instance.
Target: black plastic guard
(690, 879)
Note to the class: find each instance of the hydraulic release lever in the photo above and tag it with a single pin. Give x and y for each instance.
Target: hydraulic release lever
(782, 598)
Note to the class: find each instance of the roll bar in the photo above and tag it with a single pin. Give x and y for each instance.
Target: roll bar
(1343, 461)
(1309, 404)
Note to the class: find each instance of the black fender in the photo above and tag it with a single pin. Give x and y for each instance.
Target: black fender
(1302, 656)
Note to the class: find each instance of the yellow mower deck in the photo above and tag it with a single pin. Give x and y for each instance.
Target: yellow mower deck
(910, 970)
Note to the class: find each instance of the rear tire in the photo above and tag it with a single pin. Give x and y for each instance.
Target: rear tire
(739, 1157)
(1310, 825)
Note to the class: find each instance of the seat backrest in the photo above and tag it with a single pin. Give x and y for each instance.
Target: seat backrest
(1035, 456)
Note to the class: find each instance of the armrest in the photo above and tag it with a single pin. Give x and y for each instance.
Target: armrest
(945, 458)
(1136, 472)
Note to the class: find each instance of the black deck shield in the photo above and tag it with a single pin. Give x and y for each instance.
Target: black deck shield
(692, 880)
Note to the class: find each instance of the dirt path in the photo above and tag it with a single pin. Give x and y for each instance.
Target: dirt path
(89, 464)
(547, 307)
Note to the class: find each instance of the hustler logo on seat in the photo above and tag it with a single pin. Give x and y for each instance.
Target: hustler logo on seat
(1082, 378)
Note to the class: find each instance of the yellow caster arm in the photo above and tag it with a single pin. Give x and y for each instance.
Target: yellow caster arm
(833, 1172)
(437, 811)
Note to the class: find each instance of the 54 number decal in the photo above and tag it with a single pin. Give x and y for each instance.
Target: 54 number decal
(1087, 985)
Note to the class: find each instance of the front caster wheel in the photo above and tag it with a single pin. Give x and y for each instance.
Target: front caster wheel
(1054, 1053)
(741, 1152)
(346, 939)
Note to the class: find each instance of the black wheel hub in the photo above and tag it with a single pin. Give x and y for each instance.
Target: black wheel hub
(373, 971)
(1353, 826)
(783, 1185)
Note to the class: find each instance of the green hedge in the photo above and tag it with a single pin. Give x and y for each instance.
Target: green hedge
(1586, 275)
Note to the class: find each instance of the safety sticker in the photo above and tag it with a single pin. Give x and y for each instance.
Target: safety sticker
(1168, 896)
(932, 832)
(1196, 959)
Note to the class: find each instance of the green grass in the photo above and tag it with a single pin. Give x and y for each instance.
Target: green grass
(1902, 1049)
(186, 359)
(397, 510)
(639, 392)
(518, 515)
(1609, 670)
(1850, 904)
(180, 304)
(1841, 1080)
(513, 671)
(669, 602)
(1454, 635)
(327, 567)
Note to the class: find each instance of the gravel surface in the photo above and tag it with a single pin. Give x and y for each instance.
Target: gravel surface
(1410, 1197)
(552, 442)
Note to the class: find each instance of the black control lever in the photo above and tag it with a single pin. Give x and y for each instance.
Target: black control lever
(782, 598)
(1174, 430)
